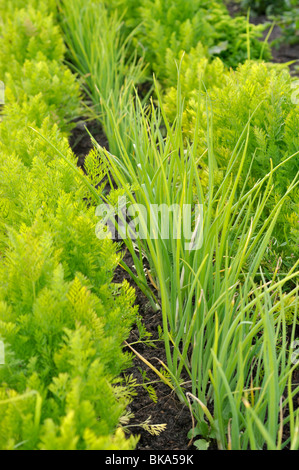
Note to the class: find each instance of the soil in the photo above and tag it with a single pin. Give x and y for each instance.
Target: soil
(168, 409)
(80, 140)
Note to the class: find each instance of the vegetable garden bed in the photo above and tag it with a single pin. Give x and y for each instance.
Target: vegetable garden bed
(157, 341)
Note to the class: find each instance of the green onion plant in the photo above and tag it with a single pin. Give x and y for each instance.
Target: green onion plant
(102, 54)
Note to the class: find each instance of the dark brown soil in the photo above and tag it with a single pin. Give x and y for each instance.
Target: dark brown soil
(286, 53)
(168, 409)
(80, 141)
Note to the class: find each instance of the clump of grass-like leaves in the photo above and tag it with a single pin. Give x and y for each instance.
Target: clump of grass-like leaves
(101, 53)
(224, 323)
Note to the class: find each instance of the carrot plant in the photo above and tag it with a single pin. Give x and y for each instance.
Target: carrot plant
(267, 92)
(168, 27)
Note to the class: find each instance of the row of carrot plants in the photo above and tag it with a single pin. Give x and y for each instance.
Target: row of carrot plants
(62, 319)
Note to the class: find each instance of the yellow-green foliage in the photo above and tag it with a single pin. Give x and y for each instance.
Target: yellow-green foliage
(171, 26)
(289, 305)
(25, 34)
(60, 343)
(31, 55)
(9, 9)
(62, 319)
(261, 92)
(195, 68)
(37, 88)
